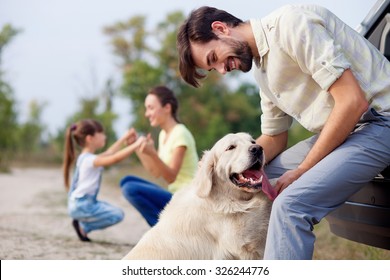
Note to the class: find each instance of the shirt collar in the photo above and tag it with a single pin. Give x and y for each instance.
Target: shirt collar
(261, 40)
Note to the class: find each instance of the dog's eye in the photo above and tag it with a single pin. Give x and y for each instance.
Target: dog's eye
(253, 142)
(231, 147)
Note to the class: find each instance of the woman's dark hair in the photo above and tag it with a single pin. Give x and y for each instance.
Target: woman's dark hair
(77, 132)
(197, 28)
(166, 96)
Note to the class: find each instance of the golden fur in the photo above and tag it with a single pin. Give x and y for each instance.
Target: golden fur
(212, 218)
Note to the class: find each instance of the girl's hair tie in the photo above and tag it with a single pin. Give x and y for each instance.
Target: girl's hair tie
(73, 127)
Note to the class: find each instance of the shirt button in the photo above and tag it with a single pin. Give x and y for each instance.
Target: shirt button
(277, 95)
(323, 63)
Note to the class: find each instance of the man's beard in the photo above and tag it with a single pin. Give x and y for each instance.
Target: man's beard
(243, 52)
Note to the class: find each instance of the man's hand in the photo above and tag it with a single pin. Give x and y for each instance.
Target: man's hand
(287, 179)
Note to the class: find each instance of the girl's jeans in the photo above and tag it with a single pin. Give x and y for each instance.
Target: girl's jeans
(148, 198)
(323, 188)
(93, 214)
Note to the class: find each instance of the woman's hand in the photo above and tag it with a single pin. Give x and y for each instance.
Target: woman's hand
(147, 146)
(139, 141)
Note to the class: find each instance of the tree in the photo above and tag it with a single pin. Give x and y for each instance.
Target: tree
(7, 33)
(8, 114)
(29, 134)
(8, 124)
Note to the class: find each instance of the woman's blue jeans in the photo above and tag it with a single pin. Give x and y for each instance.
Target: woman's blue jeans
(323, 188)
(148, 198)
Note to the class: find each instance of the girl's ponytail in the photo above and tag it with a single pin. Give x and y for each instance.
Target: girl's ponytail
(69, 153)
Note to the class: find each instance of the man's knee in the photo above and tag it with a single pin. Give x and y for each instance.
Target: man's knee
(289, 209)
(280, 205)
(286, 206)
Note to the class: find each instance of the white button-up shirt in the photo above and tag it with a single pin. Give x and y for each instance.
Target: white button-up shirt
(303, 50)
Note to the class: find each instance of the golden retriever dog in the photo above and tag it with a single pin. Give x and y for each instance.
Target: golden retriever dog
(222, 214)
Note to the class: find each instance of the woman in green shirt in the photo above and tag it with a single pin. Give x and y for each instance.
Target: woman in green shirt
(175, 161)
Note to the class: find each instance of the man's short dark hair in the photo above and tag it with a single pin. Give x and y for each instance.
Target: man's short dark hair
(197, 28)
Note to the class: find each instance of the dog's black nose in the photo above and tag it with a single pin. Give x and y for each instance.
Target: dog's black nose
(255, 150)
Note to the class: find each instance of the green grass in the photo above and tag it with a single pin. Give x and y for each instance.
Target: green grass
(331, 247)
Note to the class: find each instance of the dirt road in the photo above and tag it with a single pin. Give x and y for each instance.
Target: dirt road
(34, 223)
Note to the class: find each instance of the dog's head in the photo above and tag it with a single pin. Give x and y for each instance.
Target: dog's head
(234, 163)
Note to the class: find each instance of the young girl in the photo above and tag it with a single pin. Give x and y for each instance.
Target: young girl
(87, 212)
(175, 161)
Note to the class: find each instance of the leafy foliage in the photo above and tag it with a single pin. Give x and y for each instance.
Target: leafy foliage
(29, 134)
(8, 114)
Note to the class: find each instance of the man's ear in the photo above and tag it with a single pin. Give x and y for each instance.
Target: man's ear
(220, 28)
(204, 175)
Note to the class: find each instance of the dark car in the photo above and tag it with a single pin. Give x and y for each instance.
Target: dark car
(365, 217)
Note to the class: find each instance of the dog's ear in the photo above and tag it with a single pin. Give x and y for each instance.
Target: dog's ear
(204, 175)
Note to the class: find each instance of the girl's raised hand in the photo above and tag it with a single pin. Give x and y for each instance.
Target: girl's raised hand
(130, 136)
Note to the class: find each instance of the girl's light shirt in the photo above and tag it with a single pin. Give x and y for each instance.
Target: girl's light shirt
(89, 176)
(179, 136)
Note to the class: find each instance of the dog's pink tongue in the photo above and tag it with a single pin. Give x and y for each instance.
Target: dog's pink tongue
(254, 174)
(267, 188)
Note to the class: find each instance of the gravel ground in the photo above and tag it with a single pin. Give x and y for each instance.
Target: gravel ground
(34, 223)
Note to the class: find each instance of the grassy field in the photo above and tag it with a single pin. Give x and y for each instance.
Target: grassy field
(331, 247)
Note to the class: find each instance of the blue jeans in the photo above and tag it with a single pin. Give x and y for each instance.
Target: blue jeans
(93, 214)
(148, 198)
(323, 188)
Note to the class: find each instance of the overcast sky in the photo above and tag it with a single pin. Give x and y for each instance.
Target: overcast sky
(62, 50)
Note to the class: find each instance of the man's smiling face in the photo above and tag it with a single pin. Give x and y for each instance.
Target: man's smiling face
(223, 55)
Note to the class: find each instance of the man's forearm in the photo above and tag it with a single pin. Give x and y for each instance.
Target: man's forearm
(273, 145)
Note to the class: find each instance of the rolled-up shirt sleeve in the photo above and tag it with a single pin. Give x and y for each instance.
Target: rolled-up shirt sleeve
(273, 120)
